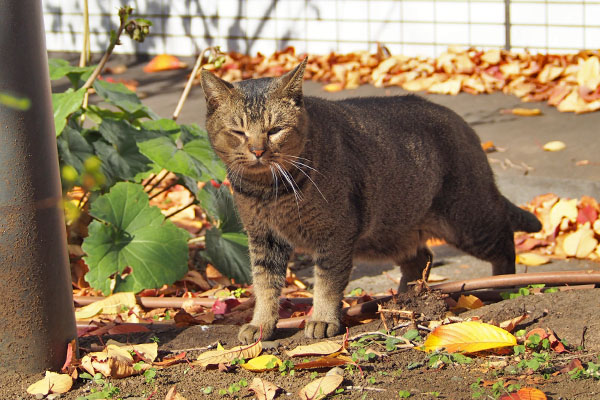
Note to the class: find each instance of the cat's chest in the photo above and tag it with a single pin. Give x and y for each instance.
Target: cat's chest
(291, 220)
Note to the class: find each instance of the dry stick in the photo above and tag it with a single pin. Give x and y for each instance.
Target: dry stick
(191, 203)
(169, 186)
(549, 278)
(88, 84)
(86, 49)
(155, 184)
(188, 86)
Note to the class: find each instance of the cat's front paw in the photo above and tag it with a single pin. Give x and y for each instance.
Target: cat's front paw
(322, 329)
(250, 333)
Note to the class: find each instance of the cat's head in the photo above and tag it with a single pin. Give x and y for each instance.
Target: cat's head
(256, 123)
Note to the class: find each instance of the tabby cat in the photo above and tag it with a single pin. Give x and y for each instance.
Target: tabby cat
(366, 178)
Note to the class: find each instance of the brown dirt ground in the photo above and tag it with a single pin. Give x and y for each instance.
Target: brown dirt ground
(567, 313)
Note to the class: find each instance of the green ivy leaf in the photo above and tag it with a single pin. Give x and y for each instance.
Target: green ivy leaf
(228, 253)
(77, 75)
(121, 158)
(163, 151)
(73, 148)
(219, 205)
(130, 233)
(65, 104)
(118, 95)
(210, 164)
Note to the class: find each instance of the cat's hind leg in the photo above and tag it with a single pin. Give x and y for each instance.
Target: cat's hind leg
(332, 273)
(269, 256)
(412, 268)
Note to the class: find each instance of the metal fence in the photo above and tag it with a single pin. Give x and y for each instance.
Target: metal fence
(410, 27)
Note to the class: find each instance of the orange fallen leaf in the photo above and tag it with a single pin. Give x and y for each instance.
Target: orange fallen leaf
(526, 112)
(333, 87)
(469, 302)
(325, 362)
(509, 325)
(525, 394)
(164, 62)
(167, 361)
(468, 337)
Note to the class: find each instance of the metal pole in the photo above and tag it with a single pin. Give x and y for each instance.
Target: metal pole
(35, 285)
(507, 44)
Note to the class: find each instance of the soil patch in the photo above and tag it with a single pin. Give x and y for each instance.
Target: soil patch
(567, 313)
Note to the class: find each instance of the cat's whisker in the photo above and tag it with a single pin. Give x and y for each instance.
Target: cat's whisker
(286, 175)
(308, 176)
(274, 180)
(304, 164)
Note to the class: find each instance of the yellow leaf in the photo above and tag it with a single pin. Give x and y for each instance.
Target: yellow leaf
(471, 302)
(526, 112)
(52, 383)
(319, 348)
(589, 73)
(319, 388)
(217, 356)
(491, 56)
(564, 208)
(264, 390)
(333, 87)
(555, 145)
(468, 337)
(113, 304)
(260, 363)
(580, 243)
(531, 259)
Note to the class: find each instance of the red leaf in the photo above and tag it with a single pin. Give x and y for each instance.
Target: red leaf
(171, 360)
(587, 213)
(224, 306)
(128, 328)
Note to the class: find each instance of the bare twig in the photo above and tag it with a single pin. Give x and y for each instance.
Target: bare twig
(169, 186)
(155, 184)
(369, 388)
(191, 203)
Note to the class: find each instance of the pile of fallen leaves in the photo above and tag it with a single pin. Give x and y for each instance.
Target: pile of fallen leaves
(571, 228)
(450, 335)
(571, 82)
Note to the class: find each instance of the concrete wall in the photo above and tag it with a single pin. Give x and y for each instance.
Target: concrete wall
(410, 27)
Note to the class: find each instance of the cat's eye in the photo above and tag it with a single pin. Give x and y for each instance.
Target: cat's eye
(240, 133)
(274, 130)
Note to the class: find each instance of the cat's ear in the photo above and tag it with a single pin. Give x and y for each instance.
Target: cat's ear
(216, 90)
(290, 84)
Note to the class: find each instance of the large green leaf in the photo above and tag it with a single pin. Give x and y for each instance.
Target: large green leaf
(73, 149)
(77, 75)
(228, 252)
(118, 95)
(210, 164)
(130, 233)
(163, 151)
(219, 205)
(65, 104)
(121, 158)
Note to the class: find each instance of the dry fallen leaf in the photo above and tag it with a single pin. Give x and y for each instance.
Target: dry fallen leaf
(526, 112)
(531, 259)
(116, 360)
(320, 388)
(113, 304)
(581, 242)
(468, 337)
(164, 62)
(52, 383)
(319, 348)
(221, 355)
(325, 362)
(510, 324)
(525, 394)
(469, 302)
(264, 390)
(555, 145)
(173, 395)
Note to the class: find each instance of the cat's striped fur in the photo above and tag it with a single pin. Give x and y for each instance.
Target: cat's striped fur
(362, 177)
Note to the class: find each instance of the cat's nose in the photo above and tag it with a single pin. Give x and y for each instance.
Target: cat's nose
(257, 152)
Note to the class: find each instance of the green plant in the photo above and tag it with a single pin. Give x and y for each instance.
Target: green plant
(108, 390)
(440, 358)
(116, 157)
(207, 390)
(287, 367)
(404, 394)
(313, 375)
(526, 291)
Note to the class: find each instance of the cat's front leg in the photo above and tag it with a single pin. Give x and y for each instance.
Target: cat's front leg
(332, 273)
(269, 256)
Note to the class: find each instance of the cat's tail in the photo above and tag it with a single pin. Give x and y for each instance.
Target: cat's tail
(522, 220)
